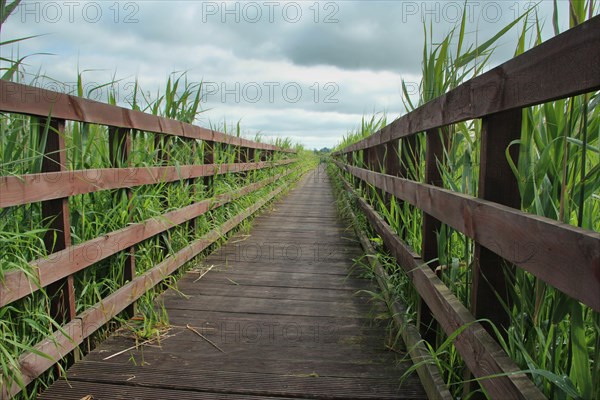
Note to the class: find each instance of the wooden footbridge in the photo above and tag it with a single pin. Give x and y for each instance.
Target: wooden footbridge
(279, 317)
(279, 311)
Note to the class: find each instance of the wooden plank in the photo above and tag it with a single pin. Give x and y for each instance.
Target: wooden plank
(233, 362)
(564, 66)
(336, 268)
(29, 100)
(303, 307)
(18, 284)
(204, 288)
(296, 280)
(308, 325)
(77, 390)
(23, 189)
(243, 383)
(561, 255)
(482, 355)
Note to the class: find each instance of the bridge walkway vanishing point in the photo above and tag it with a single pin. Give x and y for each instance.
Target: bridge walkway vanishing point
(279, 315)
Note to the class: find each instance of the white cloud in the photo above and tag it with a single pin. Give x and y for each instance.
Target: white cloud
(354, 63)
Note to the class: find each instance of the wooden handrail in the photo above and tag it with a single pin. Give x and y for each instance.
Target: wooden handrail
(481, 353)
(29, 100)
(564, 66)
(23, 189)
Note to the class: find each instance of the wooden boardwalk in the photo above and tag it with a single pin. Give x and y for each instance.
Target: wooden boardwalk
(280, 316)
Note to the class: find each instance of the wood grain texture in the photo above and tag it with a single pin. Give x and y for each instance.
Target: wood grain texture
(56, 214)
(29, 100)
(497, 183)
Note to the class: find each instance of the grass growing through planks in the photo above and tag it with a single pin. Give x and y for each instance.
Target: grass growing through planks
(553, 338)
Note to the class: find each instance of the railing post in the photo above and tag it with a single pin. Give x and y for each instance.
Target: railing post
(408, 154)
(241, 157)
(379, 165)
(161, 145)
(369, 163)
(392, 161)
(350, 161)
(497, 183)
(251, 159)
(56, 212)
(193, 188)
(209, 158)
(119, 142)
(359, 158)
(434, 153)
(392, 164)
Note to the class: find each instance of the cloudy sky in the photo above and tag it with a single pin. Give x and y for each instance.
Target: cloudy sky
(302, 69)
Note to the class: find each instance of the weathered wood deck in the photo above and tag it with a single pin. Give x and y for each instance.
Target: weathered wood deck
(281, 306)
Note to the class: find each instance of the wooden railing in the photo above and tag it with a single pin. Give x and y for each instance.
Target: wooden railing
(561, 255)
(55, 184)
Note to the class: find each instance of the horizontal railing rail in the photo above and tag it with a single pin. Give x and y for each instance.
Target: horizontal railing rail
(23, 189)
(564, 66)
(30, 100)
(563, 256)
